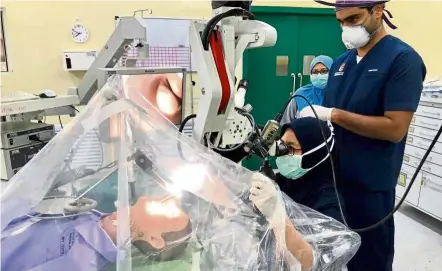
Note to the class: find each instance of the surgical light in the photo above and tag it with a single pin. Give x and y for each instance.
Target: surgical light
(167, 208)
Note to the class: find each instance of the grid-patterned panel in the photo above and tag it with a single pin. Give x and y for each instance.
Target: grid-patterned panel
(161, 56)
(87, 152)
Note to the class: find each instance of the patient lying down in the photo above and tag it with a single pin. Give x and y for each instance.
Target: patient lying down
(159, 229)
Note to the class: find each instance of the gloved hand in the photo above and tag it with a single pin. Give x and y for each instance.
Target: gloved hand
(324, 113)
(266, 198)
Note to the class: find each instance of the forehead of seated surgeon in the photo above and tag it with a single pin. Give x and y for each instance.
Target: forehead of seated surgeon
(160, 229)
(307, 145)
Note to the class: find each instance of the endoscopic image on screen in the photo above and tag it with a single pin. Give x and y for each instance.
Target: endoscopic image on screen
(164, 91)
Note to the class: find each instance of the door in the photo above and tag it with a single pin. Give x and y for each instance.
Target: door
(301, 32)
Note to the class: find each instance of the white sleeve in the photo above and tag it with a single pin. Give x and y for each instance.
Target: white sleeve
(292, 263)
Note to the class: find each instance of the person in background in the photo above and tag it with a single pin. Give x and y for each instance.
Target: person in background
(371, 95)
(314, 92)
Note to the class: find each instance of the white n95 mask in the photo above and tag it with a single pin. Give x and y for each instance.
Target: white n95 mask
(355, 36)
(290, 166)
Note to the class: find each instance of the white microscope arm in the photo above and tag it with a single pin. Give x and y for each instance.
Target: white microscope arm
(216, 72)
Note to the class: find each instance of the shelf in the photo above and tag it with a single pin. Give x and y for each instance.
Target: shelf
(28, 106)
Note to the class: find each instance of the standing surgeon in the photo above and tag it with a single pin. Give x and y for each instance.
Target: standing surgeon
(372, 92)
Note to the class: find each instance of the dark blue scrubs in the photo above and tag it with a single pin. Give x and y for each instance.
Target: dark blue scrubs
(389, 78)
(314, 190)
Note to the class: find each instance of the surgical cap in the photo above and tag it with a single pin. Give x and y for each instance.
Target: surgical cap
(308, 132)
(343, 4)
(326, 60)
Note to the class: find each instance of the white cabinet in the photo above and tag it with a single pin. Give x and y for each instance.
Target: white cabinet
(426, 192)
(423, 132)
(419, 153)
(425, 122)
(404, 181)
(427, 110)
(423, 143)
(430, 198)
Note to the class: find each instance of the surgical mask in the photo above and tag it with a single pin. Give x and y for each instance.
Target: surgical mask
(319, 80)
(290, 166)
(356, 36)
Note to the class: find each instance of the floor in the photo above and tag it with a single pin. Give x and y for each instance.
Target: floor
(418, 241)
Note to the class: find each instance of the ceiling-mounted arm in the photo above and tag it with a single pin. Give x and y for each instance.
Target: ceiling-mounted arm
(127, 30)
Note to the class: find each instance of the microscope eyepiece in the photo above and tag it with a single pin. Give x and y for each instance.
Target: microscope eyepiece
(282, 149)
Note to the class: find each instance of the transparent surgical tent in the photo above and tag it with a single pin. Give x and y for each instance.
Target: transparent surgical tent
(165, 201)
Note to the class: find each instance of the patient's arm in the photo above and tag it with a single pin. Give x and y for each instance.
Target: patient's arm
(297, 246)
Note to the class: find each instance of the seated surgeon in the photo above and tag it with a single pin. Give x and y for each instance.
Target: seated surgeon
(305, 174)
(159, 229)
(314, 92)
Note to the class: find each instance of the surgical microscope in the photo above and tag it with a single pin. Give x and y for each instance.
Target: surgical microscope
(223, 122)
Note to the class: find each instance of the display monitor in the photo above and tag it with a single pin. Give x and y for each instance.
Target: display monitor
(163, 90)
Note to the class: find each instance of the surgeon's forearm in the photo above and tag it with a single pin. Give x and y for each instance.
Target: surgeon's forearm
(298, 247)
(382, 128)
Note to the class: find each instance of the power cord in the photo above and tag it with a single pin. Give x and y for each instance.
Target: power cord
(59, 119)
(184, 122)
(211, 24)
(239, 145)
(181, 129)
(76, 110)
(208, 144)
(386, 218)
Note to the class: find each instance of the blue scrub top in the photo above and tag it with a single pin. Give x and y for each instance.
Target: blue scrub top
(389, 78)
(57, 244)
(313, 94)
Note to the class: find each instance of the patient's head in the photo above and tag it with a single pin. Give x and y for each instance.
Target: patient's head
(159, 227)
(307, 148)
